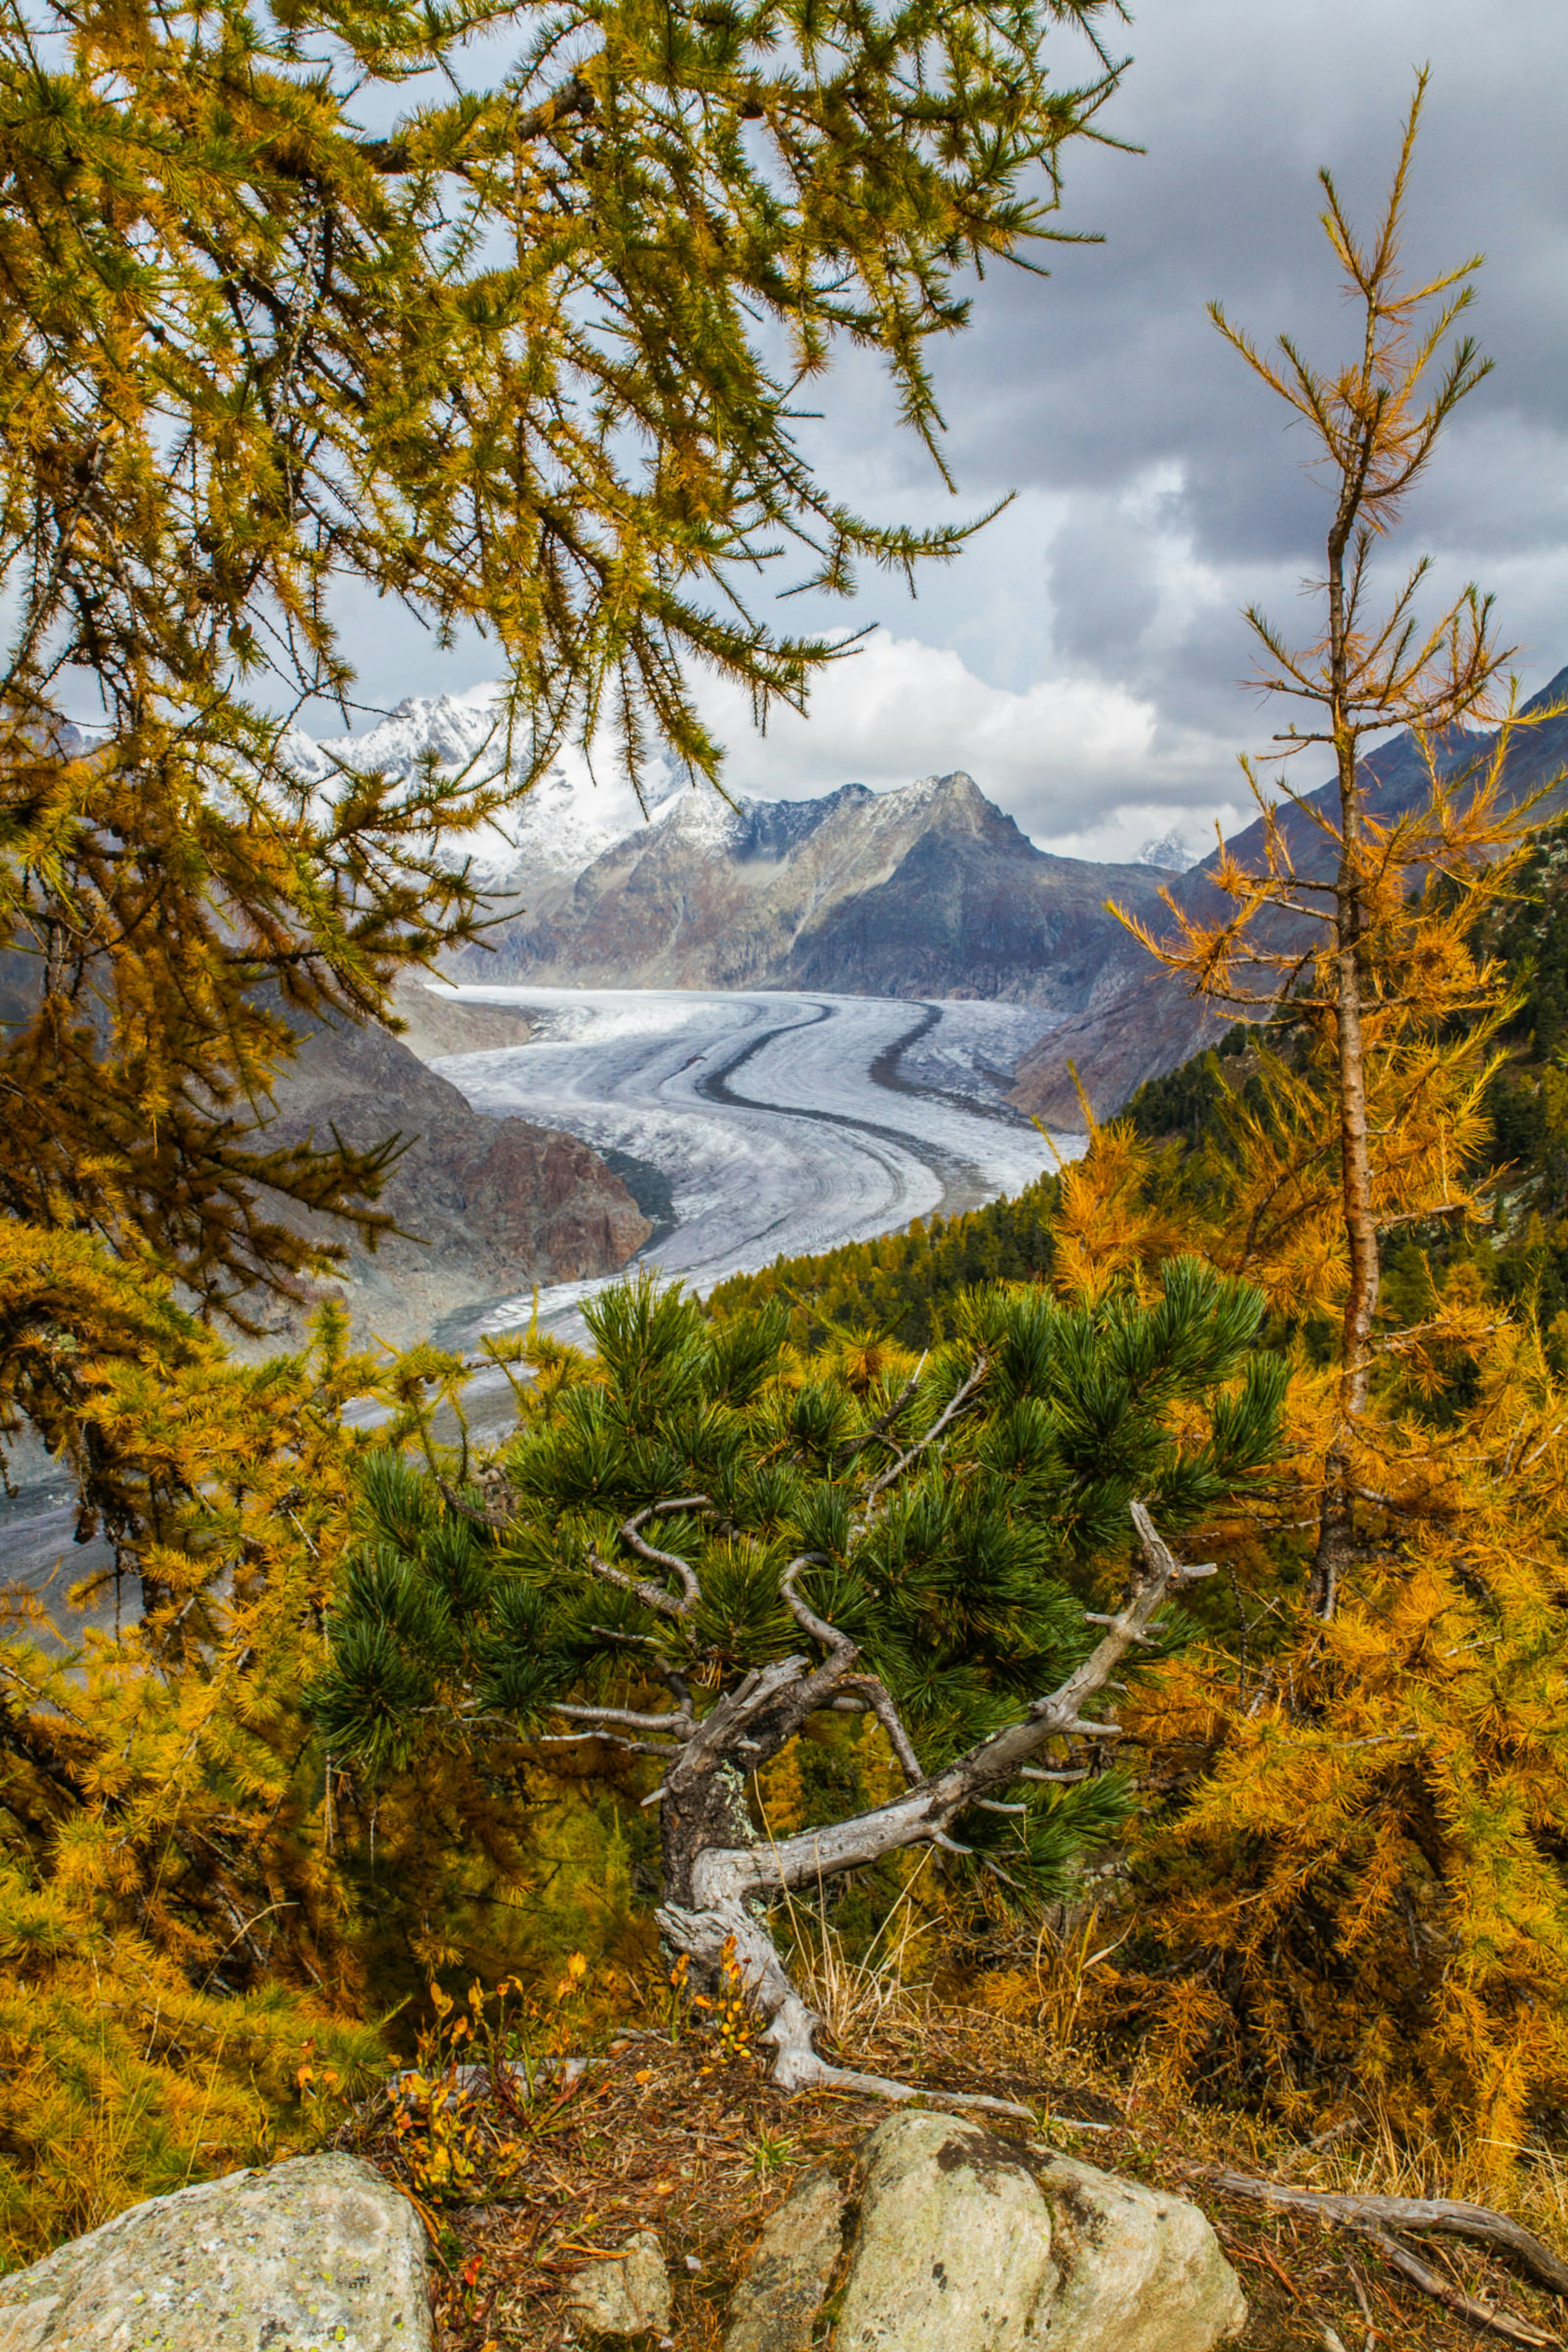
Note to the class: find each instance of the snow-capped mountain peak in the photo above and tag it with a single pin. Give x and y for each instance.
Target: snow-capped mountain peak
(558, 828)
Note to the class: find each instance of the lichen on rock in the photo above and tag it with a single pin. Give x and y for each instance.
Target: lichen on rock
(628, 2296)
(318, 2255)
(790, 2272)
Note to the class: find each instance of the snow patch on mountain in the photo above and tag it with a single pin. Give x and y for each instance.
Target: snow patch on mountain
(567, 819)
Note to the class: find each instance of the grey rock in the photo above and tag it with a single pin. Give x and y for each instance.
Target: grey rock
(927, 891)
(1140, 2272)
(628, 2296)
(788, 2275)
(954, 2252)
(484, 1206)
(315, 2255)
(969, 2242)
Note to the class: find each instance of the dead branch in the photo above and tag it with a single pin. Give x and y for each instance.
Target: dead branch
(1490, 2316)
(627, 1718)
(610, 1739)
(948, 1413)
(1438, 2216)
(878, 1699)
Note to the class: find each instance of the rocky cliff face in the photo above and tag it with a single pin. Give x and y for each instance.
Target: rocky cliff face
(485, 1207)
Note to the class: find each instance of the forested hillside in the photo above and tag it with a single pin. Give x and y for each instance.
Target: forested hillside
(903, 1287)
(908, 1286)
(1517, 1252)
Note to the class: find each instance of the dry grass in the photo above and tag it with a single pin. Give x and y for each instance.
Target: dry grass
(675, 2129)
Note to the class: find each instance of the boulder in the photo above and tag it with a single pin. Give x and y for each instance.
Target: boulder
(789, 2274)
(315, 2255)
(954, 2252)
(626, 2297)
(971, 2242)
(1140, 2271)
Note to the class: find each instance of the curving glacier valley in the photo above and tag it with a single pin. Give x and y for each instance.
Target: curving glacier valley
(779, 1123)
(783, 1123)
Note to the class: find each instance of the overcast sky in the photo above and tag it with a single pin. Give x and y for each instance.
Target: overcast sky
(1084, 658)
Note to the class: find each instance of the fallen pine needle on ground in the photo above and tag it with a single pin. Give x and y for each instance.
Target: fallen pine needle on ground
(678, 2132)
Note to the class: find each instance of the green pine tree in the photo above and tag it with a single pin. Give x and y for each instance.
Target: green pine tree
(699, 1546)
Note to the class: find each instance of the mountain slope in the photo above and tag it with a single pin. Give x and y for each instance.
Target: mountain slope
(929, 890)
(486, 1207)
(1141, 1022)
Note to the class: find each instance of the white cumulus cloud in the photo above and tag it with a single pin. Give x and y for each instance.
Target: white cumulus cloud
(1071, 757)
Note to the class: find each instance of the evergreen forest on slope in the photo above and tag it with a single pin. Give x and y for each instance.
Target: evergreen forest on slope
(906, 1287)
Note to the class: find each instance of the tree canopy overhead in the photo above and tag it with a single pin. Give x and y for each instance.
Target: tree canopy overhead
(527, 357)
(532, 361)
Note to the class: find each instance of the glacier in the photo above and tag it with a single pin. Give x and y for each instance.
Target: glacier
(784, 1123)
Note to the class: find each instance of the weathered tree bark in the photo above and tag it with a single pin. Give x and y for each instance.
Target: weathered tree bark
(717, 1875)
(1373, 2217)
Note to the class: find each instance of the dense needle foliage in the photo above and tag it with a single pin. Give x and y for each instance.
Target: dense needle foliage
(963, 1583)
(530, 360)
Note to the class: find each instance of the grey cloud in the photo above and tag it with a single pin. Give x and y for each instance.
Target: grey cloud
(1103, 591)
(1114, 366)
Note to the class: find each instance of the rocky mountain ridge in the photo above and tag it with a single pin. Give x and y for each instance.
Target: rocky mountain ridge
(928, 890)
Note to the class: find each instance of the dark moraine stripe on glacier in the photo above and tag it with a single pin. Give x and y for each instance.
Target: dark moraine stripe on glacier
(963, 1185)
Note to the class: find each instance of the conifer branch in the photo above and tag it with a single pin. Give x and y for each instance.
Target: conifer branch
(805, 1616)
(652, 1596)
(631, 1537)
(880, 1700)
(1373, 2217)
(924, 1813)
(943, 1421)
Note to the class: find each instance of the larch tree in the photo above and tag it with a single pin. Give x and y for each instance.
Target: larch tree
(528, 356)
(1338, 918)
(1347, 1894)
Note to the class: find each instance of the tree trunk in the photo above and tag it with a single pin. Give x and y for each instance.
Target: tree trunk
(716, 1881)
(1336, 1530)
